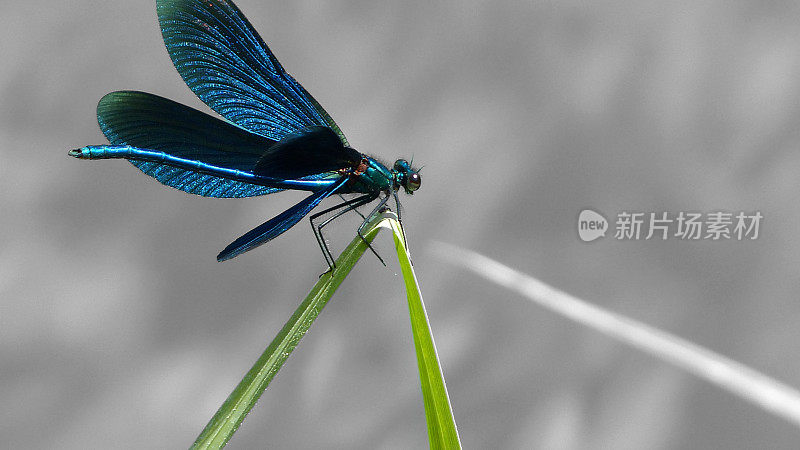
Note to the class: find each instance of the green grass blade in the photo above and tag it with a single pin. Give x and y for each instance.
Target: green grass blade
(442, 431)
(231, 414)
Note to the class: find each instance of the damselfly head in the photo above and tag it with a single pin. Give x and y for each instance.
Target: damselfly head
(406, 176)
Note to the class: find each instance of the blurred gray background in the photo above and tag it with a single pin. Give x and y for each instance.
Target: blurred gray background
(116, 318)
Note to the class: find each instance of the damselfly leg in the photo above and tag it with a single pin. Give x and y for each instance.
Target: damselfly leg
(348, 205)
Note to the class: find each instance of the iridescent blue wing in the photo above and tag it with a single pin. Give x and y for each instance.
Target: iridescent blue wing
(225, 62)
(307, 152)
(151, 122)
(278, 224)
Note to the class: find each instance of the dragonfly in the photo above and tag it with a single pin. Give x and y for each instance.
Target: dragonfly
(275, 136)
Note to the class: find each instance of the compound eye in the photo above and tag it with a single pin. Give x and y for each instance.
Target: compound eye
(414, 181)
(401, 165)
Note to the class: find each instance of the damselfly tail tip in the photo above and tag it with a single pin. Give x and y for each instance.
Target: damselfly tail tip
(77, 153)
